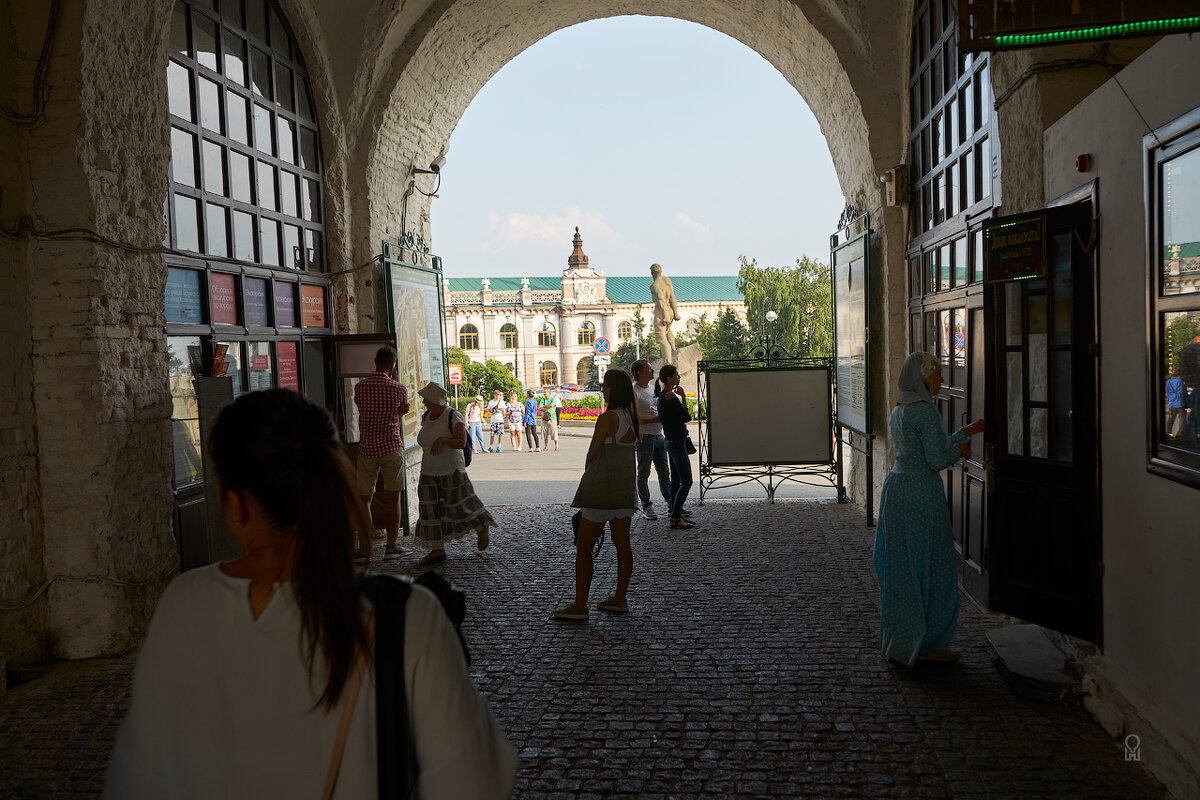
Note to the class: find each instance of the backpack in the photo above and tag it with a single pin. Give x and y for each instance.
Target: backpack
(466, 448)
(397, 775)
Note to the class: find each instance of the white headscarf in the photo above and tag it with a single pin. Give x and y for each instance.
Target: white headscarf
(917, 367)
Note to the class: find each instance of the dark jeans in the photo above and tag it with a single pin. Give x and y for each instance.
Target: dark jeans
(652, 449)
(681, 475)
(531, 435)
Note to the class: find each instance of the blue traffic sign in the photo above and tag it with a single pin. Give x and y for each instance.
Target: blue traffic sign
(601, 346)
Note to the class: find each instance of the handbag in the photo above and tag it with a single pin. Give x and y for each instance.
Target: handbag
(610, 480)
(691, 448)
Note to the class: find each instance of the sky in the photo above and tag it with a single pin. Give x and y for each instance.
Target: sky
(664, 141)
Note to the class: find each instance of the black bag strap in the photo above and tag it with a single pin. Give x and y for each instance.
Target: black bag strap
(396, 751)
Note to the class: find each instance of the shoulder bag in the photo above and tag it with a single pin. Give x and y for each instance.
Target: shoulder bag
(610, 480)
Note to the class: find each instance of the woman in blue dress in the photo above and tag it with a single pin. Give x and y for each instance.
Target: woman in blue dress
(914, 547)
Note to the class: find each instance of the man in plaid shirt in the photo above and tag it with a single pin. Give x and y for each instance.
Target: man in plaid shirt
(381, 402)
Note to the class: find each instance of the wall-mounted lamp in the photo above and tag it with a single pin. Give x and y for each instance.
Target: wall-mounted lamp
(893, 185)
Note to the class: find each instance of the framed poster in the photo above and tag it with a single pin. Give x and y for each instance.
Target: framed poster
(850, 326)
(416, 316)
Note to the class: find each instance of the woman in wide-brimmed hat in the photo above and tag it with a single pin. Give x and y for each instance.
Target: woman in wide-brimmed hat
(447, 506)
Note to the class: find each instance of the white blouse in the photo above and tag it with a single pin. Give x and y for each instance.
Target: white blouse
(223, 706)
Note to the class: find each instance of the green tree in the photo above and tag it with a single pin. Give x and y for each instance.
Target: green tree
(801, 296)
(487, 377)
(456, 355)
(1182, 331)
(627, 351)
(725, 338)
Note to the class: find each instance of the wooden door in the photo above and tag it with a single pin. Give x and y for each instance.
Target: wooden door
(1041, 440)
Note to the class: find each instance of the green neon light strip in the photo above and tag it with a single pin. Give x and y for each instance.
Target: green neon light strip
(1156, 26)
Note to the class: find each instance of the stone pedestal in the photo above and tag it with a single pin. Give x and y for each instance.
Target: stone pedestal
(687, 360)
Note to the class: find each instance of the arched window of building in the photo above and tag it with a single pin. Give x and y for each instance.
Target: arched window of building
(468, 337)
(549, 373)
(587, 333)
(508, 336)
(625, 331)
(547, 336)
(585, 370)
(692, 326)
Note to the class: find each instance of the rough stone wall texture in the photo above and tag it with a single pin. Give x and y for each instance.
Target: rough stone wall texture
(21, 571)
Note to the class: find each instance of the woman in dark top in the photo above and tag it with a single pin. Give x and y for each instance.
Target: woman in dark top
(672, 410)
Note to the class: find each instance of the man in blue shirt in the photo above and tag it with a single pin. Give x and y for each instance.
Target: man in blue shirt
(1176, 404)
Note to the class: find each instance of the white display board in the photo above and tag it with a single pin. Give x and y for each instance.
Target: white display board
(775, 416)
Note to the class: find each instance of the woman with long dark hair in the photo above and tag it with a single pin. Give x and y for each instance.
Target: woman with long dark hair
(607, 494)
(673, 412)
(242, 679)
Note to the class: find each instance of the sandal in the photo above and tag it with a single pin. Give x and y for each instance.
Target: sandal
(683, 524)
(433, 558)
(613, 607)
(572, 613)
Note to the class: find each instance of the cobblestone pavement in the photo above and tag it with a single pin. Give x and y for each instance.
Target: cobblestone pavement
(748, 667)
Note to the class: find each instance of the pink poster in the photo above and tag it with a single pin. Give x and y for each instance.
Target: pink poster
(289, 371)
(223, 291)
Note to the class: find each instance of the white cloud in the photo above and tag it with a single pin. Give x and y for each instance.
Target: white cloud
(699, 231)
(551, 231)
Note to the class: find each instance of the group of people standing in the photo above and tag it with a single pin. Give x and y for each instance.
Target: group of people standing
(226, 704)
(516, 417)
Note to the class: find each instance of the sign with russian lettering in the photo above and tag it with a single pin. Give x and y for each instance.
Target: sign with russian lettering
(222, 289)
(285, 304)
(184, 298)
(456, 374)
(288, 363)
(312, 304)
(256, 302)
(1014, 248)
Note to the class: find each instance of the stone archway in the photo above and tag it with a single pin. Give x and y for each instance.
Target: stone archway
(389, 81)
(833, 52)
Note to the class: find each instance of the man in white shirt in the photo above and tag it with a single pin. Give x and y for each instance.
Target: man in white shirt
(653, 447)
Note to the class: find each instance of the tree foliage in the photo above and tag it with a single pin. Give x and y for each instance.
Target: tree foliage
(627, 351)
(726, 337)
(483, 378)
(802, 297)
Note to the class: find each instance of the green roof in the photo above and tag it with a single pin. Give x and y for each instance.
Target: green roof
(505, 284)
(630, 289)
(623, 288)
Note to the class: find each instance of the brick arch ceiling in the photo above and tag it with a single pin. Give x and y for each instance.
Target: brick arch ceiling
(844, 57)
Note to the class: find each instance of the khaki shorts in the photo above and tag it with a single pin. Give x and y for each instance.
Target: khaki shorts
(392, 465)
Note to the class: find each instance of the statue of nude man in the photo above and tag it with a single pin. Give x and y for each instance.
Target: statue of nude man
(665, 312)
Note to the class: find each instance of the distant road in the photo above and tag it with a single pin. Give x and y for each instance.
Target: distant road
(526, 478)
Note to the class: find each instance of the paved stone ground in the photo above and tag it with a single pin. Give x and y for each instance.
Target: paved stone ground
(748, 667)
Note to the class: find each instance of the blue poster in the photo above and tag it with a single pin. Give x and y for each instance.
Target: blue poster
(256, 301)
(185, 300)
